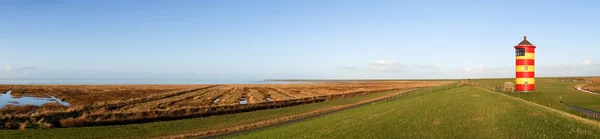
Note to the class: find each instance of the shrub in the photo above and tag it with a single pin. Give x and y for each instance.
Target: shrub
(72, 122)
(22, 126)
(11, 125)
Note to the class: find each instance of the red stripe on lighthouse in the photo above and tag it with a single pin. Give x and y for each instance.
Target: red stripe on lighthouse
(525, 62)
(525, 74)
(522, 87)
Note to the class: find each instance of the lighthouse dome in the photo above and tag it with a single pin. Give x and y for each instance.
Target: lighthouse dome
(524, 42)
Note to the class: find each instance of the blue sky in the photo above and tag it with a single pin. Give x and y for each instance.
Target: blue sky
(254, 40)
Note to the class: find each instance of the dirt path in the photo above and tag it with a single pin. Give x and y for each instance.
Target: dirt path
(566, 114)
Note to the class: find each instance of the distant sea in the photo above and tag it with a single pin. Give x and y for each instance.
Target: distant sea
(133, 81)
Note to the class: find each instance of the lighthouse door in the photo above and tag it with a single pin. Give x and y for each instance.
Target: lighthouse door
(526, 84)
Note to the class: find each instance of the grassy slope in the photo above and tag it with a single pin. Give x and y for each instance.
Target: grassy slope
(179, 126)
(466, 112)
(549, 90)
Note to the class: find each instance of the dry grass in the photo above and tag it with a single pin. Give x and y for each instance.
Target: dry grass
(85, 94)
(594, 85)
(5, 88)
(14, 109)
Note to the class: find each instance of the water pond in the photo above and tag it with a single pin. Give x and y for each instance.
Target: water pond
(7, 98)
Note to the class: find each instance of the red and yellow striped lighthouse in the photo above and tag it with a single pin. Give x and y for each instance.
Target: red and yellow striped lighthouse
(525, 67)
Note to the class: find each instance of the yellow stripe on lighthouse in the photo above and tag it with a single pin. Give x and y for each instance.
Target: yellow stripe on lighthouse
(523, 80)
(525, 68)
(527, 56)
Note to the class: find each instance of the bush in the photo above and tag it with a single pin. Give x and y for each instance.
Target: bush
(11, 125)
(72, 122)
(22, 126)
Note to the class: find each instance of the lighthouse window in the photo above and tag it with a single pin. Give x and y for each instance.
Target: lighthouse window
(526, 68)
(520, 51)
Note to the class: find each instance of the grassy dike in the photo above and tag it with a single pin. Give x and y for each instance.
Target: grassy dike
(188, 126)
(549, 92)
(466, 112)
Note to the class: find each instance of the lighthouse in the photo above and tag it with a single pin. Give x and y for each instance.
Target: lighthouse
(525, 66)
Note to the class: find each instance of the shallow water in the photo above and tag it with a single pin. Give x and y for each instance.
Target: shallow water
(243, 101)
(8, 98)
(581, 89)
(216, 100)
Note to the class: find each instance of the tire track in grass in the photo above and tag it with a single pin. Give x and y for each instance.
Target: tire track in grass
(120, 106)
(254, 96)
(216, 98)
(165, 102)
(279, 91)
(299, 93)
(231, 97)
(274, 96)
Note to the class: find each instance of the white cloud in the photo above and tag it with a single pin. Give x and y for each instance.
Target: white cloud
(10, 68)
(388, 69)
(7, 68)
(587, 62)
(382, 65)
(21, 71)
(478, 68)
(379, 68)
(347, 67)
(384, 62)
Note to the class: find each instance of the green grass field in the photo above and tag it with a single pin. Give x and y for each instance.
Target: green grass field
(164, 128)
(548, 91)
(466, 112)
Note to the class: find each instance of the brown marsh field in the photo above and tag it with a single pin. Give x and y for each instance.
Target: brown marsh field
(95, 105)
(593, 84)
